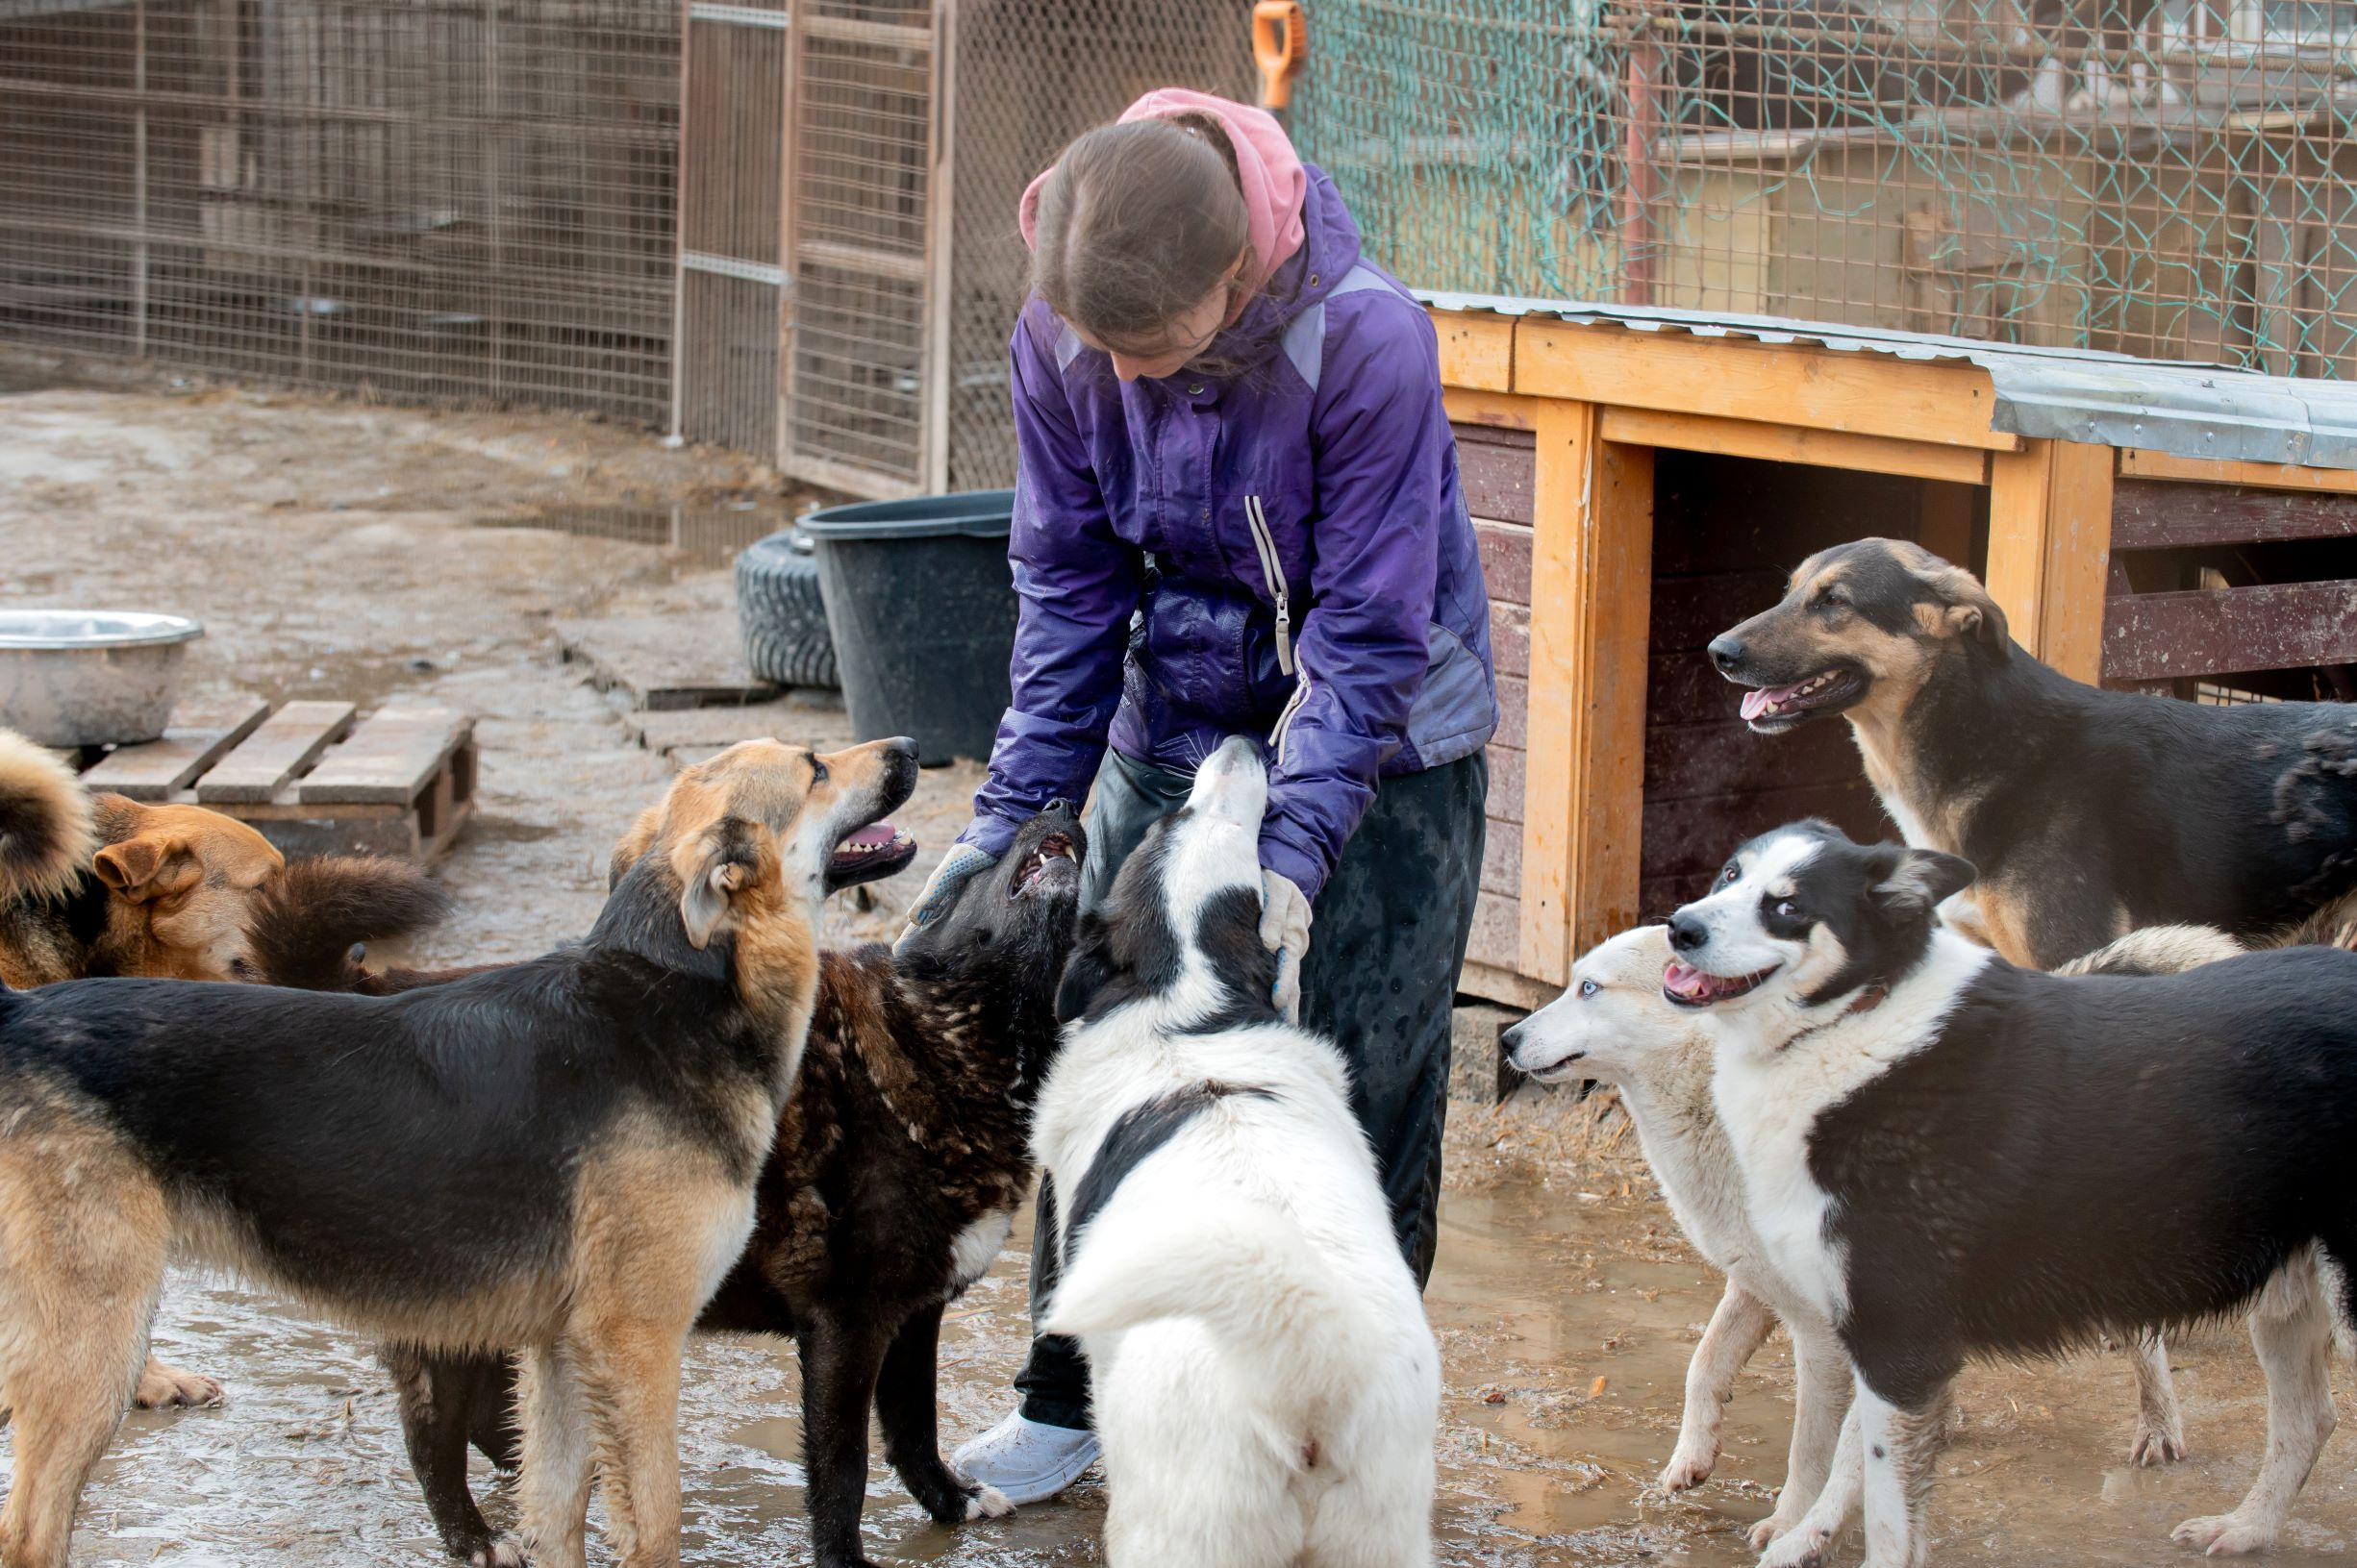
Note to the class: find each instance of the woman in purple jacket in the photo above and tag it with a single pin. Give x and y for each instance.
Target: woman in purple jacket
(1238, 513)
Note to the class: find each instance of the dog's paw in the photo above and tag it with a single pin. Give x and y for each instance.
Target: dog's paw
(1689, 1465)
(161, 1387)
(507, 1552)
(1792, 1549)
(989, 1502)
(1775, 1527)
(2164, 1446)
(2224, 1536)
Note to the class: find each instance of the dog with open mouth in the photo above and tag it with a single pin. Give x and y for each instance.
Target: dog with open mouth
(901, 1157)
(2089, 813)
(560, 1155)
(1264, 1383)
(1952, 1158)
(1616, 1024)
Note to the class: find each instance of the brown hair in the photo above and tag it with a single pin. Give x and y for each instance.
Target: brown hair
(1135, 224)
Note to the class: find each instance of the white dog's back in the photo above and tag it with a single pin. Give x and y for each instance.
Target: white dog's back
(1266, 1386)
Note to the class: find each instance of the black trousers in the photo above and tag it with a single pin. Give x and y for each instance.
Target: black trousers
(1387, 940)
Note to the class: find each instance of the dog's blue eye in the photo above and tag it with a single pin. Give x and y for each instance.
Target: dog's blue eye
(1587, 987)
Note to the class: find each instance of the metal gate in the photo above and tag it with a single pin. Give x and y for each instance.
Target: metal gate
(731, 285)
(807, 185)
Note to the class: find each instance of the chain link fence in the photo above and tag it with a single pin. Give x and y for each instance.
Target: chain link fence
(2165, 178)
(429, 200)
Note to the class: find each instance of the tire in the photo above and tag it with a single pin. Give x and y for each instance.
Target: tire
(780, 614)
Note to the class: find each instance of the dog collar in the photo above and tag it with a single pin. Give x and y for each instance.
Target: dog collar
(1866, 1001)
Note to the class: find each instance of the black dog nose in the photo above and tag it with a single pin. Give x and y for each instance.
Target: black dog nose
(1687, 932)
(1726, 653)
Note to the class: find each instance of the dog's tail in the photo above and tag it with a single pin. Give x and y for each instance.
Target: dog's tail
(306, 922)
(46, 835)
(1245, 1272)
(2158, 949)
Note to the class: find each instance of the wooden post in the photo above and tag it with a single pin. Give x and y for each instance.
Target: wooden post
(2051, 548)
(1590, 590)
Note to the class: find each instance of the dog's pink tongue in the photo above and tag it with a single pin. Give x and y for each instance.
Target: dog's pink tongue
(875, 835)
(1684, 979)
(1756, 702)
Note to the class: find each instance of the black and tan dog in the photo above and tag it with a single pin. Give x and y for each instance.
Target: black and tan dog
(95, 884)
(561, 1155)
(900, 1159)
(2089, 813)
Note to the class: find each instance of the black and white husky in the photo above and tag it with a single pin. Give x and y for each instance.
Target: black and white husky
(1955, 1157)
(1265, 1384)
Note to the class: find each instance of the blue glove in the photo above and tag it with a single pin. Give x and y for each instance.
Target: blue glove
(960, 866)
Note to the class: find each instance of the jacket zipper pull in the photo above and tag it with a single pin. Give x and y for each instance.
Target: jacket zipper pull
(1265, 544)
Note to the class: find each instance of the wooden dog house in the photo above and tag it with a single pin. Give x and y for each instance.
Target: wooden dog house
(1642, 480)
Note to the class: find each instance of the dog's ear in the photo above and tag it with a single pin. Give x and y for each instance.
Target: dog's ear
(1971, 613)
(714, 868)
(1915, 881)
(150, 866)
(1086, 971)
(632, 845)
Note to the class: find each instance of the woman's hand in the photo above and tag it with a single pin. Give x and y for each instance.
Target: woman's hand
(1284, 931)
(960, 866)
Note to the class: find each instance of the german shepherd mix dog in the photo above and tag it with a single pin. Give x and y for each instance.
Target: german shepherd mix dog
(901, 1157)
(97, 885)
(93, 886)
(2089, 812)
(1265, 1386)
(1952, 1156)
(560, 1155)
(1614, 1024)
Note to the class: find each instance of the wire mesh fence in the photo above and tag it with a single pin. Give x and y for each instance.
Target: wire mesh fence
(432, 200)
(2165, 178)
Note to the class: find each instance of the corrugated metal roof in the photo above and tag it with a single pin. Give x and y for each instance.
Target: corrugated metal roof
(2192, 411)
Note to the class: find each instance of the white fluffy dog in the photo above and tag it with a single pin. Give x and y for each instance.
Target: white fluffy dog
(1265, 1384)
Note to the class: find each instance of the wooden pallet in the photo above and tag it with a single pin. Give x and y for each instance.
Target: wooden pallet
(313, 778)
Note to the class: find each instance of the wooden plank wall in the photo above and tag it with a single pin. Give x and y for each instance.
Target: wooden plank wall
(1497, 468)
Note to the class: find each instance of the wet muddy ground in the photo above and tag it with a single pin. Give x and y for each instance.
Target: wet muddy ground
(340, 550)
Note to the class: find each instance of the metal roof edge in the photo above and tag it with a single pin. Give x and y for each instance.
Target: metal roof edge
(2178, 406)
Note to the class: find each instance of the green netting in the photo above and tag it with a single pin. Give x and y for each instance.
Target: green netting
(2160, 177)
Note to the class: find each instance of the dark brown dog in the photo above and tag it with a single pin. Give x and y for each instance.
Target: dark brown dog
(2089, 813)
(899, 1162)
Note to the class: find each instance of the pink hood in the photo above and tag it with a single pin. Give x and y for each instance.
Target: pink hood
(1274, 182)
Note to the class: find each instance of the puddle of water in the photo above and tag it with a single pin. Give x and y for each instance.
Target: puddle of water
(712, 535)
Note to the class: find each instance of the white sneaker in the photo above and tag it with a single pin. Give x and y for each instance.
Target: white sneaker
(1028, 1461)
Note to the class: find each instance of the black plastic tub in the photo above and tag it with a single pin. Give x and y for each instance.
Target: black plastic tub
(921, 602)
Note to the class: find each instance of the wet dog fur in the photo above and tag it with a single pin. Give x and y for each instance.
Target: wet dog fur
(94, 885)
(2089, 813)
(1613, 1025)
(560, 1155)
(1264, 1383)
(901, 1157)
(1956, 1158)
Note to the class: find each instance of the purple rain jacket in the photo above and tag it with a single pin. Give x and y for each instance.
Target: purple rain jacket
(1282, 552)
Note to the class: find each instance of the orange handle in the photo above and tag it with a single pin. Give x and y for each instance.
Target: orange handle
(1280, 44)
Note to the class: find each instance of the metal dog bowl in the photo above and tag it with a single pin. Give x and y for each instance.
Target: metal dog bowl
(91, 677)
